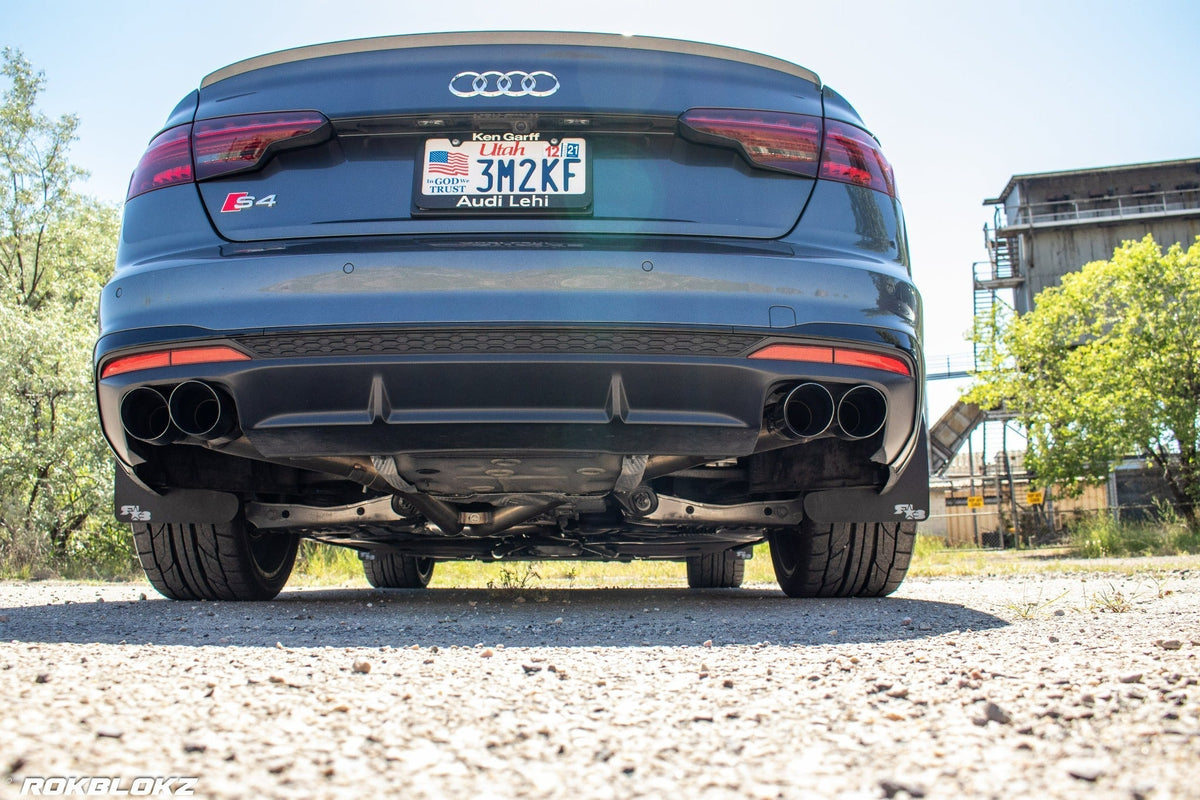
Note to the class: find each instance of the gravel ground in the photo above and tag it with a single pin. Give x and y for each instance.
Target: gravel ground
(1048, 686)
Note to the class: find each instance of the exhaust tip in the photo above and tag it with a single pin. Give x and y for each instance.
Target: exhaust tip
(862, 412)
(201, 410)
(806, 411)
(145, 416)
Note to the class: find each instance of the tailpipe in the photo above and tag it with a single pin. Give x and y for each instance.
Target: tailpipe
(202, 411)
(805, 413)
(861, 412)
(146, 417)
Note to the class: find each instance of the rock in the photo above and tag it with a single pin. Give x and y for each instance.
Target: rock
(892, 787)
(1085, 769)
(1169, 644)
(1133, 677)
(362, 665)
(995, 713)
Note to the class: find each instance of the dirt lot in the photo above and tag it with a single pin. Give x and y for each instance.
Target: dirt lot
(1055, 686)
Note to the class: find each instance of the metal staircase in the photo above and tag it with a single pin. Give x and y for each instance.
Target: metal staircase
(950, 432)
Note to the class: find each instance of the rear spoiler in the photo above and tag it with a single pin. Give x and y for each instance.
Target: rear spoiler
(509, 38)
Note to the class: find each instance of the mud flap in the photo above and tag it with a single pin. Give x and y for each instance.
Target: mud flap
(906, 501)
(133, 502)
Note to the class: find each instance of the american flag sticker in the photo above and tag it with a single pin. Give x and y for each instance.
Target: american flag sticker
(443, 162)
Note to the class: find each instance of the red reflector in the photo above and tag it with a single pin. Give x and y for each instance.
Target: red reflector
(166, 162)
(859, 358)
(232, 144)
(852, 156)
(171, 358)
(829, 355)
(787, 142)
(795, 352)
(134, 363)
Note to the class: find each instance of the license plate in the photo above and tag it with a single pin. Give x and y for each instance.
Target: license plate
(488, 173)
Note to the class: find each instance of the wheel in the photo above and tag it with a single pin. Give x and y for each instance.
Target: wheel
(722, 570)
(863, 559)
(194, 561)
(392, 571)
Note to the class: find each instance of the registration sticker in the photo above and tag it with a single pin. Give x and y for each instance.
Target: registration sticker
(503, 174)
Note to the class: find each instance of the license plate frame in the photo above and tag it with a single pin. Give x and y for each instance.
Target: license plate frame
(487, 173)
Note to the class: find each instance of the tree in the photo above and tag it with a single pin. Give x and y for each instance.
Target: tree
(56, 250)
(1106, 365)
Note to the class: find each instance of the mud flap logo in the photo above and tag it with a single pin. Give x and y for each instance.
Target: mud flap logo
(909, 511)
(135, 513)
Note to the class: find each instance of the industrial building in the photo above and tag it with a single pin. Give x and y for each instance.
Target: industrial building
(1045, 225)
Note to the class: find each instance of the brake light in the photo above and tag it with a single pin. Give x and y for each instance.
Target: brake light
(795, 143)
(833, 355)
(852, 155)
(786, 142)
(166, 162)
(171, 358)
(234, 144)
(223, 146)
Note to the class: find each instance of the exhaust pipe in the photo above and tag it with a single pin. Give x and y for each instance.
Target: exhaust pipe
(861, 412)
(805, 413)
(201, 410)
(146, 417)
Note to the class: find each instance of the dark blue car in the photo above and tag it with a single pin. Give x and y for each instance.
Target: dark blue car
(514, 296)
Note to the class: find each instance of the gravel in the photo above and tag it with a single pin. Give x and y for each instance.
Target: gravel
(1059, 687)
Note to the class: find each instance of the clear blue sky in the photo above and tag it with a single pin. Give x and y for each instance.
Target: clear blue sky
(962, 94)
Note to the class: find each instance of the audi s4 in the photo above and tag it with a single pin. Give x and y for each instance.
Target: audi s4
(514, 296)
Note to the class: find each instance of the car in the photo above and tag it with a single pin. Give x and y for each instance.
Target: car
(514, 296)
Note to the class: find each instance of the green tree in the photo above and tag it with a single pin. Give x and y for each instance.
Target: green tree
(1106, 365)
(56, 250)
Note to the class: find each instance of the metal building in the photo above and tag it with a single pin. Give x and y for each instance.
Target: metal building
(1050, 223)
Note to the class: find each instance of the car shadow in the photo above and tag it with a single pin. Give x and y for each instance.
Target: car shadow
(510, 617)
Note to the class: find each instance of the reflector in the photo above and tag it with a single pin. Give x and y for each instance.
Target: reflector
(171, 358)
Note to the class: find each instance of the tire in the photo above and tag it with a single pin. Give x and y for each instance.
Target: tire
(716, 571)
(392, 571)
(194, 561)
(860, 559)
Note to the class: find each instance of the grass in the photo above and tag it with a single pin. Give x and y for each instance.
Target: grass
(323, 565)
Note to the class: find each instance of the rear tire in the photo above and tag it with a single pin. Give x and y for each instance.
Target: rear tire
(196, 561)
(716, 571)
(392, 571)
(842, 559)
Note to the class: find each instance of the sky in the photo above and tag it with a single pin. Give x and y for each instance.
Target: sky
(961, 94)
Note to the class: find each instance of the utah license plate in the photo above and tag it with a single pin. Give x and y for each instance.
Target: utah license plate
(491, 173)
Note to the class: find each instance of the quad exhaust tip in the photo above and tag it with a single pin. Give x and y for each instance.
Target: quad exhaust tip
(193, 408)
(809, 411)
(861, 412)
(145, 416)
(806, 412)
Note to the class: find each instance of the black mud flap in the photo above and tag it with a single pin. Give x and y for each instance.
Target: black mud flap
(133, 502)
(906, 501)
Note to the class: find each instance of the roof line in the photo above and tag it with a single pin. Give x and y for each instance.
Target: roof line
(509, 38)
(1000, 198)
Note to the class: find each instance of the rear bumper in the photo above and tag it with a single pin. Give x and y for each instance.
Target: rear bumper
(291, 403)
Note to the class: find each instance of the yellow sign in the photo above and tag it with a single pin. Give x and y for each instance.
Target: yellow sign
(1035, 497)
(975, 501)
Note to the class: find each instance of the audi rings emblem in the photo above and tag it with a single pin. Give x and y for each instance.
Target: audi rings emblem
(503, 84)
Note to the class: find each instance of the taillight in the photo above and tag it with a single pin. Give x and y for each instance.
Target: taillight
(223, 146)
(786, 142)
(234, 144)
(167, 161)
(796, 143)
(852, 155)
